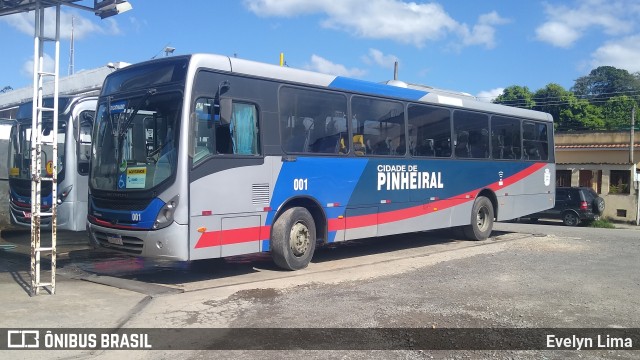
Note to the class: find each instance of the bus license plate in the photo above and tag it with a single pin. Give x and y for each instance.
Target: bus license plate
(114, 239)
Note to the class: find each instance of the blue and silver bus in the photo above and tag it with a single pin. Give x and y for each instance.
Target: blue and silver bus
(207, 156)
(75, 125)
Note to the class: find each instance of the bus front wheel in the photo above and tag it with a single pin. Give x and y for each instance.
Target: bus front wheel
(293, 239)
(481, 220)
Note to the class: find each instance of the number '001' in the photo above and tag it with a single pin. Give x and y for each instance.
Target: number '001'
(300, 184)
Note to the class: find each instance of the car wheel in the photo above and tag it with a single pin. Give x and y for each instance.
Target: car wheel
(570, 219)
(293, 239)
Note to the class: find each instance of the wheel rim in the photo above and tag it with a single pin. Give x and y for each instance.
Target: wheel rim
(570, 219)
(482, 218)
(299, 239)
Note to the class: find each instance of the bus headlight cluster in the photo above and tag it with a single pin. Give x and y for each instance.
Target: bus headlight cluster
(165, 216)
(63, 195)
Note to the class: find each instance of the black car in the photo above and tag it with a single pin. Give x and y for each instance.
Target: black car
(573, 205)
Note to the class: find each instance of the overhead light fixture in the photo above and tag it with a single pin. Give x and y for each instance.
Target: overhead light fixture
(169, 50)
(108, 8)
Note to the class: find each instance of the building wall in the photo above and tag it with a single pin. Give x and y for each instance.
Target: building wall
(602, 151)
(619, 207)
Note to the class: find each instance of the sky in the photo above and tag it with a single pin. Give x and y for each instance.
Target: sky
(477, 47)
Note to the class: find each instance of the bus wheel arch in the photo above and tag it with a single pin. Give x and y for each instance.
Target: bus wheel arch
(483, 214)
(295, 233)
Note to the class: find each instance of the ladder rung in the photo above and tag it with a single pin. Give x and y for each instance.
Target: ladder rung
(44, 249)
(46, 38)
(44, 284)
(46, 179)
(42, 108)
(46, 73)
(46, 214)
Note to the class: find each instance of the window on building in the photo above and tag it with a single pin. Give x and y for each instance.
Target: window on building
(563, 178)
(586, 178)
(619, 182)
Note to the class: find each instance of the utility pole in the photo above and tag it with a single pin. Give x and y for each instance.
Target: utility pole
(71, 51)
(635, 170)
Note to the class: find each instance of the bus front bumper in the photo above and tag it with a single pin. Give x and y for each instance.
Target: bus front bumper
(171, 242)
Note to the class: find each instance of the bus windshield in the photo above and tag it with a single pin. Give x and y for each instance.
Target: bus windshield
(135, 141)
(20, 151)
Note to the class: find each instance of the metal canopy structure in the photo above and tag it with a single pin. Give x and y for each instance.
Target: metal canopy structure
(102, 8)
(9, 7)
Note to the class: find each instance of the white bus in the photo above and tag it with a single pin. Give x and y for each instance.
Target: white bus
(206, 156)
(75, 123)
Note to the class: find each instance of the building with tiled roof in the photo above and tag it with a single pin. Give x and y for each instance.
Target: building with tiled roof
(603, 161)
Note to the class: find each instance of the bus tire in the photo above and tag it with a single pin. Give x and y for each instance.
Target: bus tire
(293, 239)
(481, 220)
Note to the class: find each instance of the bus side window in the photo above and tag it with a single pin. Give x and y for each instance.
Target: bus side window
(432, 130)
(243, 133)
(84, 141)
(203, 129)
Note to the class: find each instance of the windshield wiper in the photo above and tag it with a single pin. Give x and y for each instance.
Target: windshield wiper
(113, 128)
(123, 129)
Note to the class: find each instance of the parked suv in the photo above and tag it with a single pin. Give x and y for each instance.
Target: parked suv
(573, 205)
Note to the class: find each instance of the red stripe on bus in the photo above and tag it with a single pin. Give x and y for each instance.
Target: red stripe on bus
(233, 236)
(238, 236)
(415, 211)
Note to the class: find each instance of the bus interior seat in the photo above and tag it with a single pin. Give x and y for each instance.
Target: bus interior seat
(358, 145)
(462, 145)
(533, 153)
(425, 148)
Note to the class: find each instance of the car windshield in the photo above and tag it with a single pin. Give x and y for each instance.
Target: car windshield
(135, 140)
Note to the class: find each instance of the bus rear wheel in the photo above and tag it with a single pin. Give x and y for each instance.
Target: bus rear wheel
(293, 239)
(481, 220)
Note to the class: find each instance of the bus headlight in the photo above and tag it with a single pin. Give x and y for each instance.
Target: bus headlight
(165, 216)
(63, 195)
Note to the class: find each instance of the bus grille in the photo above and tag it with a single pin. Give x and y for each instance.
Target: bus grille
(22, 187)
(130, 244)
(121, 204)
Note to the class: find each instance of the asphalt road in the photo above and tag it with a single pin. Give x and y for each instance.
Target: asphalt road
(526, 276)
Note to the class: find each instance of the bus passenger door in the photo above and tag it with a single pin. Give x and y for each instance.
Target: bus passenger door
(228, 178)
(83, 127)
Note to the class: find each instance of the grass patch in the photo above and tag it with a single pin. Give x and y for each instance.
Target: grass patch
(602, 223)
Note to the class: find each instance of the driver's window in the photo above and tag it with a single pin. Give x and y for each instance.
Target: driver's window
(203, 142)
(84, 141)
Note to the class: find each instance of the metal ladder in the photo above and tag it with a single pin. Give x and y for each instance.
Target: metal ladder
(37, 141)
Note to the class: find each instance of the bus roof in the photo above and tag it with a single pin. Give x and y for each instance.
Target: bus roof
(411, 92)
(64, 104)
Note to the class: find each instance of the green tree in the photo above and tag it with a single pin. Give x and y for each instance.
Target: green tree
(552, 99)
(605, 82)
(580, 114)
(516, 96)
(617, 112)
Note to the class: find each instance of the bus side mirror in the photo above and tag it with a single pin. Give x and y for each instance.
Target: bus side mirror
(225, 110)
